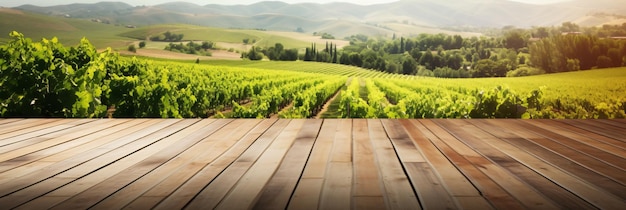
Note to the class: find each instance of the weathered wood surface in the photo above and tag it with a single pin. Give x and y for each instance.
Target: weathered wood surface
(312, 164)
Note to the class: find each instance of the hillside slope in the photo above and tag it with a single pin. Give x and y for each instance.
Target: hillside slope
(365, 19)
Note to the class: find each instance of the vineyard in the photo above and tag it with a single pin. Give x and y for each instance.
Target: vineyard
(47, 79)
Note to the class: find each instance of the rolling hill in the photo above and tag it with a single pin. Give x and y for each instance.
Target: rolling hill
(70, 31)
(344, 19)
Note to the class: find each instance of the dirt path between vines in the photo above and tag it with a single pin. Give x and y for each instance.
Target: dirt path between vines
(327, 104)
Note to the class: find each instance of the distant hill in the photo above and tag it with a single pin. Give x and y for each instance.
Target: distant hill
(343, 19)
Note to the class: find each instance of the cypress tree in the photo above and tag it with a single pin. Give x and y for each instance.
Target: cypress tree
(335, 54)
(326, 49)
(314, 56)
(307, 55)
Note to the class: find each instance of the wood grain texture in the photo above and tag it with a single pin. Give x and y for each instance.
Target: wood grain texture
(312, 164)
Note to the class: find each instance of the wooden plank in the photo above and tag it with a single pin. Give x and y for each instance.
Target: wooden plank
(478, 164)
(29, 158)
(342, 145)
(402, 143)
(590, 193)
(247, 190)
(608, 131)
(554, 159)
(33, 145)
(307, 194)
(574, 133)
(44, 164)
(308, 191)
(45, 184)
(187, 138)
(15, 129)
(473, 202)
(498, 186)
(454, 181)
(366, 174)
(281, 186)
(212, 194)
(183, 188)
(613, 122)
(8, 122)
(133, 190)
(39, 130)
(431, 193)
(134, 152)
(99, 169)
(337, 189)
(398, 191)
(43, 203)
(582, 132)
(467, 133)
(146, 202)
(591, 163)
(120, 160)
(320, 156)
(608, 158)
(426, 182)
(58, 167)
(369, 202)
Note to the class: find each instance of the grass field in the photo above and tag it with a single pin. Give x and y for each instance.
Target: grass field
(235, 36)
(69, 31)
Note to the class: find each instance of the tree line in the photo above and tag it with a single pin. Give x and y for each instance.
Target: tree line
(192, 48)
(167, 37)
(511, 52)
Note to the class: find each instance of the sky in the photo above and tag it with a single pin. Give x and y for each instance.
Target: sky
(14, 3)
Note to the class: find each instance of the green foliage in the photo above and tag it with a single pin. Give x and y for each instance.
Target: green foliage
(489, 68)
(352, 105)
(167, 37)
(132, 48)
(574, 52)
(47, 79)
(524, 71)
(279, 53)
(254, 54)
(192, 48)
(324, 35)
(309, 102)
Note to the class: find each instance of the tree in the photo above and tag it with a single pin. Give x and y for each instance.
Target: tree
(355, 59)
(207, 45)
(514, 39)
(409, 66)
(327, 36)
(307, 55)
(335, 54)
(132, 48)
(604, 62)
(254, 55)
(142, 44)
(569, 27)
(289, 55)
(541, 32)
(489, 68)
